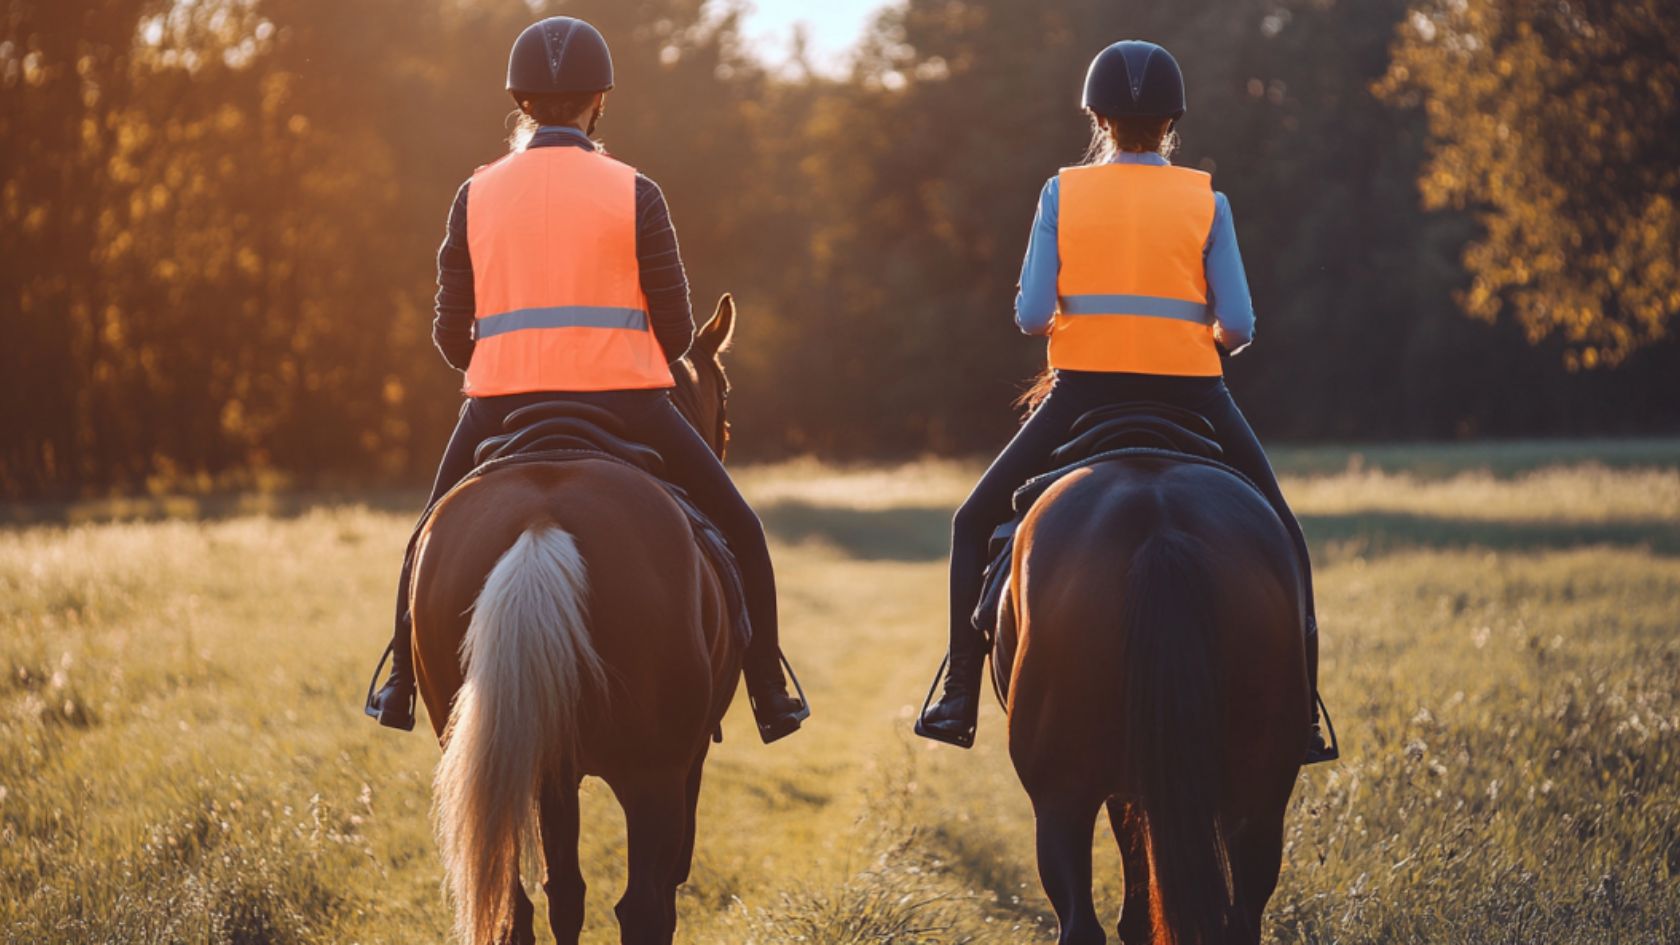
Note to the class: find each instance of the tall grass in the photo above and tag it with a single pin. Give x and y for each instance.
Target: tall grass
(182, 757)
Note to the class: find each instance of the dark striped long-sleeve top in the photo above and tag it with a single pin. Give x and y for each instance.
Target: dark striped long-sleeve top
(664, 281)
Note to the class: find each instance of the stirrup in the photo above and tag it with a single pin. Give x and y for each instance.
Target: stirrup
(785, 725)
(963, 739)
(390, 716)
(1332, 751)
(369, 707)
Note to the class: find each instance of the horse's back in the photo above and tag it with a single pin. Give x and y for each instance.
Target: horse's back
(653, 607)
(1073, 558)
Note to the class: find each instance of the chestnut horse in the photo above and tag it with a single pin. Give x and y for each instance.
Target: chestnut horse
(566, 624)
(1152, 640)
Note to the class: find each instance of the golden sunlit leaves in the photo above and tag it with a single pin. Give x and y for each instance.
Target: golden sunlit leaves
(1554, 124)
(190, 36)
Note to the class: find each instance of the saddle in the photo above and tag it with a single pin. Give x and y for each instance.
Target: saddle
(1134, 429)
(559, 425)
(1137, 424)
(563, 432)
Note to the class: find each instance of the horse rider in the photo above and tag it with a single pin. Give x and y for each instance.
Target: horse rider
(574, 256)
(1133, 272)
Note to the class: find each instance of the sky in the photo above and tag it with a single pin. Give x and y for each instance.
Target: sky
(833, 27)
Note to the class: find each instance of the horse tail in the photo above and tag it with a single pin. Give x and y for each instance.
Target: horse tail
(528, 663)
(1172, 737)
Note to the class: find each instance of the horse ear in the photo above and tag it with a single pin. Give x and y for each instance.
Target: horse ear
(716, 334)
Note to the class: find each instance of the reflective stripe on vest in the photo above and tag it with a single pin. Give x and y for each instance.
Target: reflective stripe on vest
(1132, 287)
(552, 235)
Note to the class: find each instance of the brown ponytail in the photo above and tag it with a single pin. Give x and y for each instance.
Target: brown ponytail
(563, 108)
(1130, 133)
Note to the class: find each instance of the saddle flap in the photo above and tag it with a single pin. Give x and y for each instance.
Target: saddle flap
(994, 582)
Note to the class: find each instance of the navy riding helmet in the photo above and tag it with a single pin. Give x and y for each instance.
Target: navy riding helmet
(557, 55)
(1133, 77)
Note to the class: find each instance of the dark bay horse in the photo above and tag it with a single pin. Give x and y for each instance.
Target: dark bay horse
(595, 641)
(1152, 653)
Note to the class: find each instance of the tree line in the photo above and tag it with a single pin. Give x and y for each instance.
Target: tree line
(218, 220)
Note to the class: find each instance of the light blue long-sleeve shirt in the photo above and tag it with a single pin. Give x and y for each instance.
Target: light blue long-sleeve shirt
(1228, 298)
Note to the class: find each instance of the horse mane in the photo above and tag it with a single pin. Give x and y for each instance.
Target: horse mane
(686, 390)
(685, 393)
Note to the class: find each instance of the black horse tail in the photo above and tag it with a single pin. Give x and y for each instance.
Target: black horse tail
(1172, 738)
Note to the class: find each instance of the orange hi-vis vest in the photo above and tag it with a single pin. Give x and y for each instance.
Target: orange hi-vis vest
(1132, 288)
(552, 235)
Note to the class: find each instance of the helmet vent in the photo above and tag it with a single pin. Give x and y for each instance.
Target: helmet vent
(555, 37)
(1137, 59)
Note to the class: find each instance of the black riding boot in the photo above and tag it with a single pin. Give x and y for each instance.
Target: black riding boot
(777, 712)
(953, 718)
(393, 704)
(1318, 750)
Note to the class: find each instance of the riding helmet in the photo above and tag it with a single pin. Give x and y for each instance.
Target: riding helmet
(559, 54)
(1133, 77)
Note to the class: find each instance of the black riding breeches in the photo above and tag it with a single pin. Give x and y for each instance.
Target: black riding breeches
(649, 417)
(1028, 455)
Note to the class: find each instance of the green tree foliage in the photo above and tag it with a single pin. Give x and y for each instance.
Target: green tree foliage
(1317, 171)
(1554, 123)
(219, 219)
(931, 159)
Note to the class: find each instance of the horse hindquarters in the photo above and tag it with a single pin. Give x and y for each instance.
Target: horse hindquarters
(1115, 696)
(1176, 695)
(529, 662)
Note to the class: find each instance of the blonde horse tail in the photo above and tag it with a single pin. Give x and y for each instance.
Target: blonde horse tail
(529, 664)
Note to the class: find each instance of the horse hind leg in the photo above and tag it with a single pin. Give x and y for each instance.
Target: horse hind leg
(563, 881)
(1064, 866)
(656, 821)
(1130, 834)
(1256, 860)
(519, 929)
(685, 859)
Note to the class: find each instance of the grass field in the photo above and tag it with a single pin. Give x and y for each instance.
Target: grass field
(183, 759)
